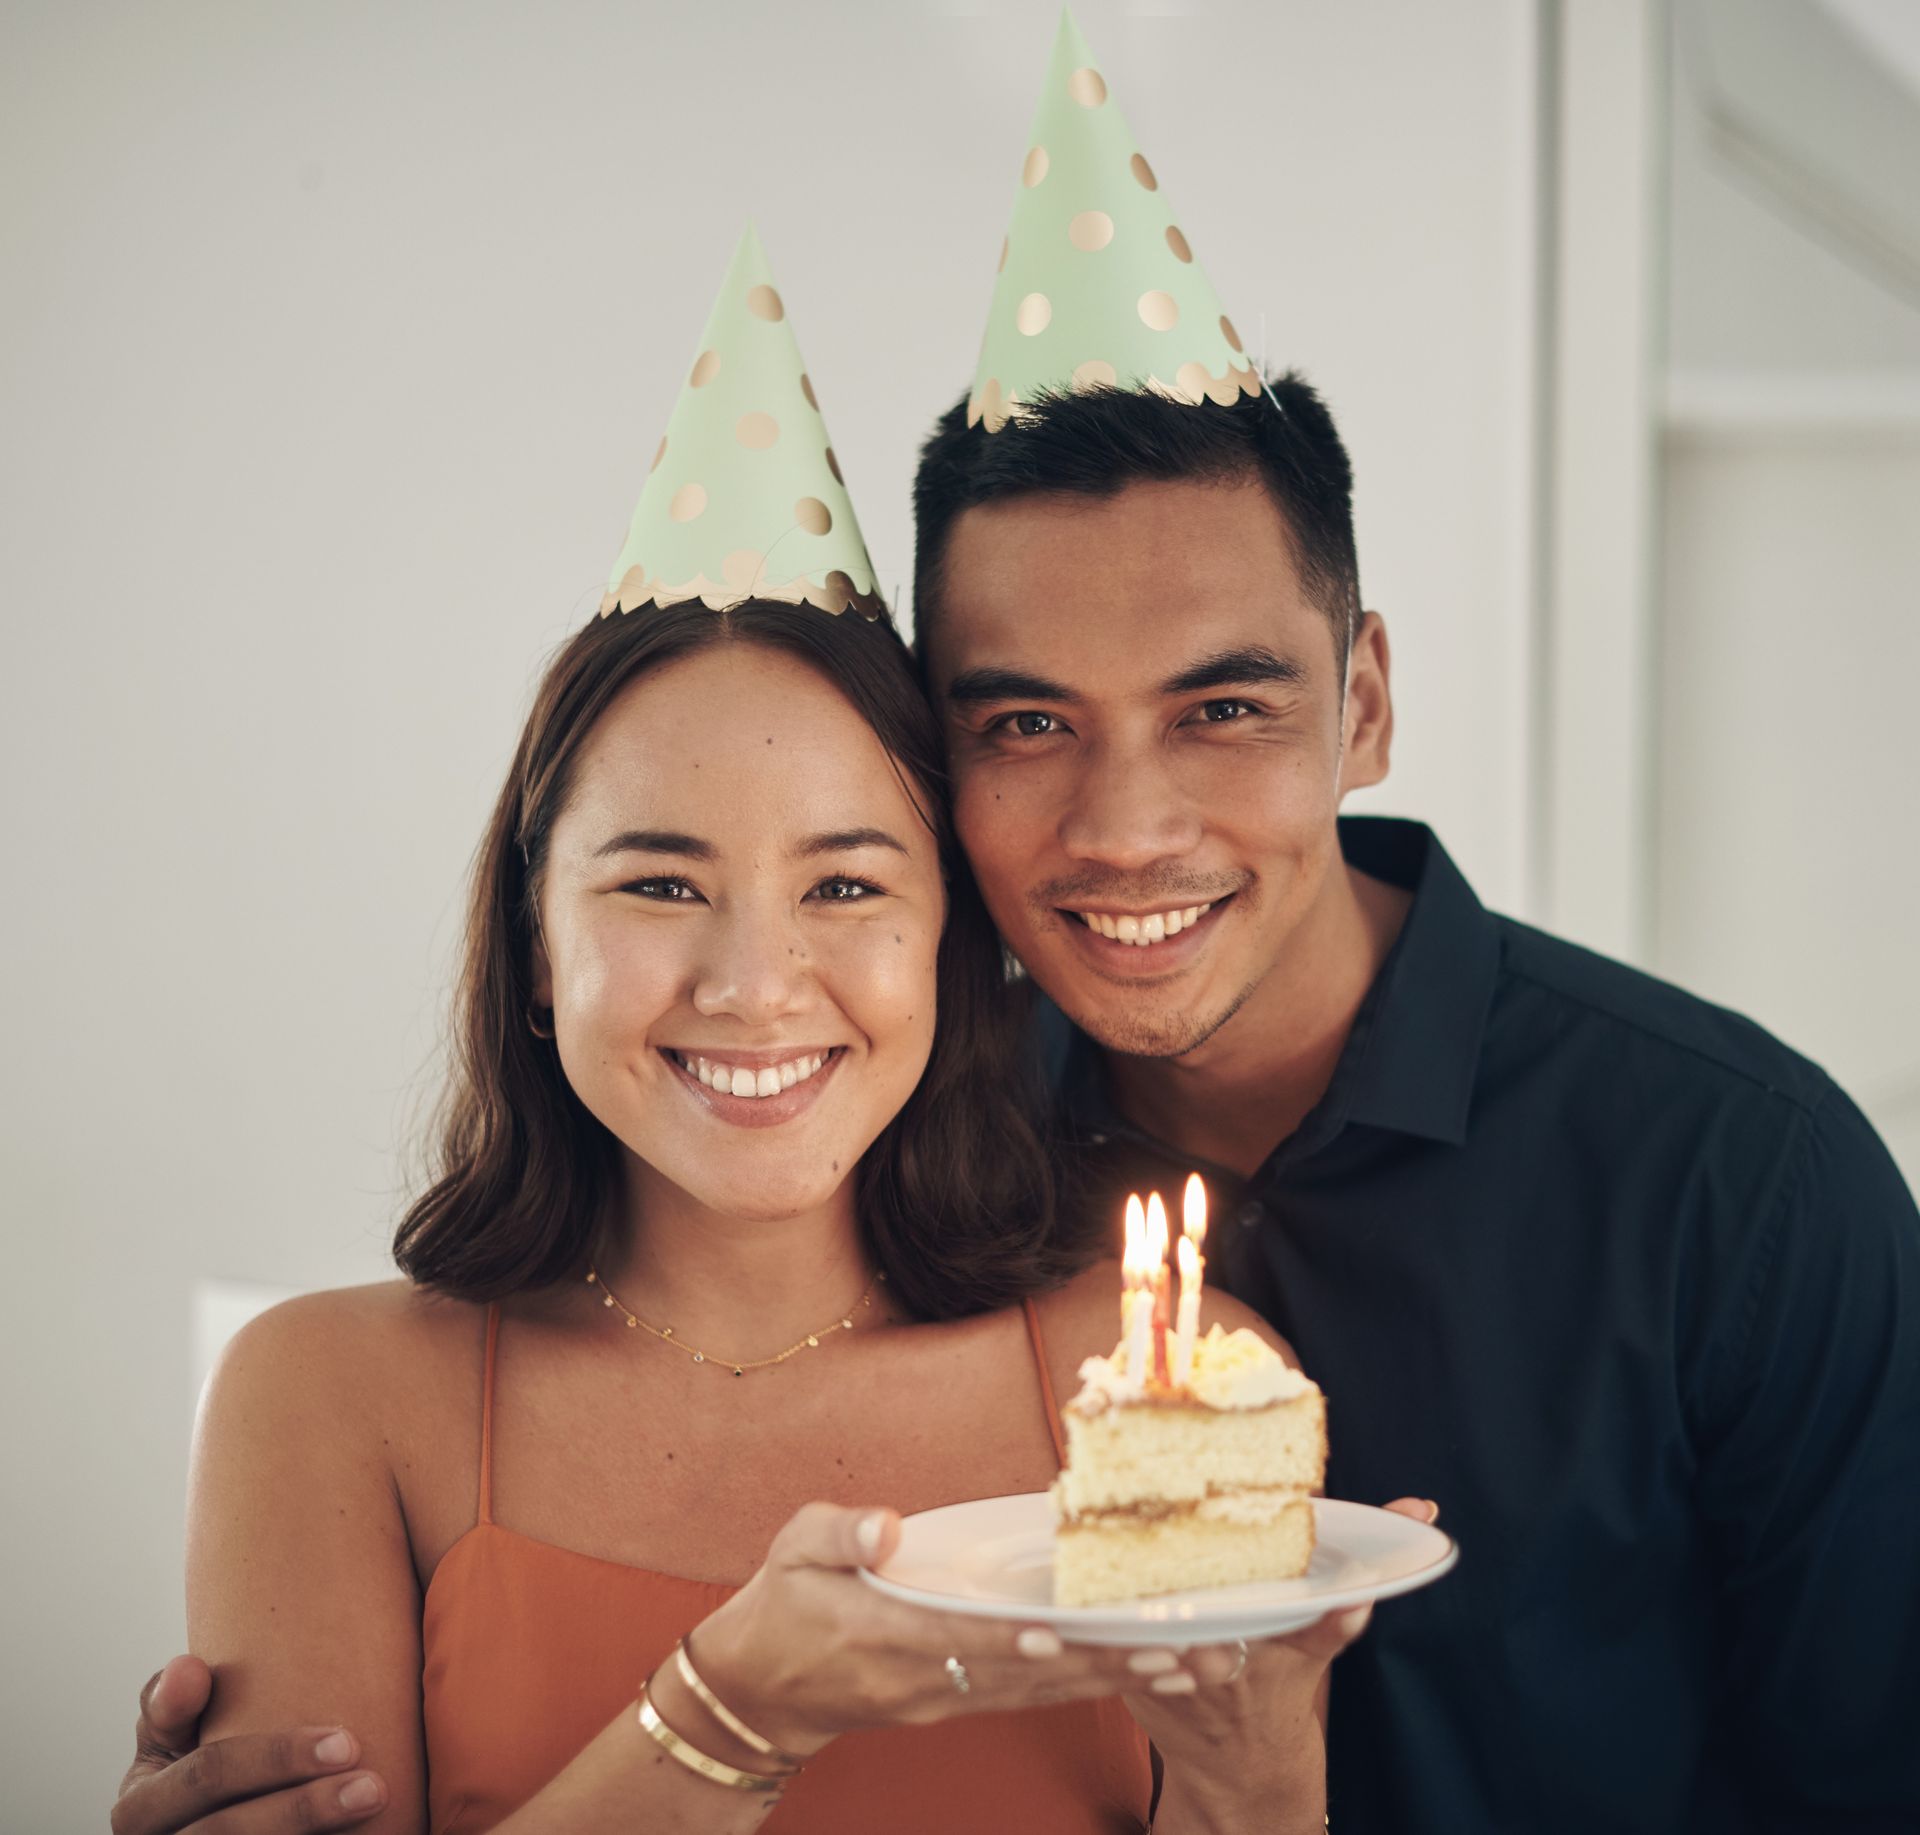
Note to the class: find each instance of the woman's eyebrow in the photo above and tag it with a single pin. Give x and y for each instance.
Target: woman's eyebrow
(657, 841)
(844, 840)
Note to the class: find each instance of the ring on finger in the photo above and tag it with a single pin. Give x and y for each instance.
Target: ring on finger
(957, 1675)
(1240, 1664)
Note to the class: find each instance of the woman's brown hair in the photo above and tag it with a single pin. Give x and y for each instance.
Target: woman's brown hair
(955, 1197)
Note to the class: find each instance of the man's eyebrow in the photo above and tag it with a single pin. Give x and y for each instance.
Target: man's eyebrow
(657, 841)
(972, 686)
(1234, 669)
(845, 840)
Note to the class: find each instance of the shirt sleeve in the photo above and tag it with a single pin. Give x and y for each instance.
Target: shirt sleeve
(1809, 1482)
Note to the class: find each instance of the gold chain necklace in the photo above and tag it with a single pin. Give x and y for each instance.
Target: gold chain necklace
(665, 1333)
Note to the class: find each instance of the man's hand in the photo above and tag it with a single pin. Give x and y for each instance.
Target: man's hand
(265, 1783)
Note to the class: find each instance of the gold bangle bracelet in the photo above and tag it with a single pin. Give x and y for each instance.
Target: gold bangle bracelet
(713, 1770)
(683, 1660)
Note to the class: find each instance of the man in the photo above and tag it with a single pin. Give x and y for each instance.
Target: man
(1629, 1287)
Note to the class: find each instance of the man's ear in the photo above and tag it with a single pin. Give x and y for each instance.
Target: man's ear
(1367, 730)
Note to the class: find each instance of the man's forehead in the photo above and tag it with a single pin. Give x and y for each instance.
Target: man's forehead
(1140, 584)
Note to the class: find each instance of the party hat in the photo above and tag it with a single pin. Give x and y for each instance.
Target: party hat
(745, 498)
(1097, 284)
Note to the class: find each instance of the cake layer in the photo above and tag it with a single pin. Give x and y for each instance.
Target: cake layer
(1171, 1452)
(1098, 1560)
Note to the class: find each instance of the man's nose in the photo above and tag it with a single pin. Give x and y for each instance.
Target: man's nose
(754, 968)
(1128, 810)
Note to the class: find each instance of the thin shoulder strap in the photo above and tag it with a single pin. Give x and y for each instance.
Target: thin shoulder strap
(486, 1416)
(1046, 1381)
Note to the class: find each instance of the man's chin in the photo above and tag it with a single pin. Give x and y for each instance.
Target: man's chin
(1145, 1031)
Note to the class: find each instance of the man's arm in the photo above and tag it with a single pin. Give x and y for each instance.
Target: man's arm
(1808, 1427)
(290, 1783)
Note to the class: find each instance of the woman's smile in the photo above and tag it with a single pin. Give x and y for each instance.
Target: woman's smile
(755, 1089)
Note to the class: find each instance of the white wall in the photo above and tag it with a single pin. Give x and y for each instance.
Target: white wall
(336, 341)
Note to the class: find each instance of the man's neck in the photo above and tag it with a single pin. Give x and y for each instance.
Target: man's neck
(1237, 1096)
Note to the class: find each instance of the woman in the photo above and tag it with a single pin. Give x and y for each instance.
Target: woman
(740, 1246)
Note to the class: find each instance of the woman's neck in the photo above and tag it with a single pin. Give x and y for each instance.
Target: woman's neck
(740, 1288)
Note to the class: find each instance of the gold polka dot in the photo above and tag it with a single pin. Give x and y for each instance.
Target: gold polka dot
(990, 409)
(833, 465)
(1090, 230)
(806, 389)
(1034, 313)
(706, 367)
(688, 501)
(1138, 166)
(741, 569)
(1193, 380)
(1035, 169)
(1158, 312)
(633, 587)
(813, 516)
(1087, 87)
(1232, 337)
(841, 586)
(1095, 370)
(658, 456)
(764, 303)
(756, 431)
(1178, 243)
(1006, 242)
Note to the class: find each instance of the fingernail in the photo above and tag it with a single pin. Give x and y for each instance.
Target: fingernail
(1350, 1623)
(1037, 1641)
(1182, 1684)
(361, 1794)
(868, 1532)
(1152, 1662)
(1433, 1510)
(335, 1749)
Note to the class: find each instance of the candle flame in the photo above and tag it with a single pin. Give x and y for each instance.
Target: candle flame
(1189, 1258)
(1156, 1233)
(1194, 1208)
(1135, 1268)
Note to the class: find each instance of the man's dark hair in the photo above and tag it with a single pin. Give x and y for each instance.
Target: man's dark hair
(1096, 441)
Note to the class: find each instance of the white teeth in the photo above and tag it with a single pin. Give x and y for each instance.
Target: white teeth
(742, 1080)
(1144, 932)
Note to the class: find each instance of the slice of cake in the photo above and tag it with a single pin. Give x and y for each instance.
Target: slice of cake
(1200, 1485)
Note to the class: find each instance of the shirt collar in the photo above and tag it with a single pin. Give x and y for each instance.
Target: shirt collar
(1411, 1058)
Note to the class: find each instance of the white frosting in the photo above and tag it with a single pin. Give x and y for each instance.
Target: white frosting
(1231, 1370)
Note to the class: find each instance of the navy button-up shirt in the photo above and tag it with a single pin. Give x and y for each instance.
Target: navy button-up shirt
(1634, 1291)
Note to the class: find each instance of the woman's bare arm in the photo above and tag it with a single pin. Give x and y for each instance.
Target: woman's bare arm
(301, 1590)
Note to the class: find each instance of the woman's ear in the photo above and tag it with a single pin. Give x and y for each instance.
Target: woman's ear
(542, 974)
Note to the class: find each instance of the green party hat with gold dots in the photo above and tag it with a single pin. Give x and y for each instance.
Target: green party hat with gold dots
(1097, 284)
(745, 498)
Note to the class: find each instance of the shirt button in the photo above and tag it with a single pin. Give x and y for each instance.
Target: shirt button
(1099, 1140)
(1250, 1214)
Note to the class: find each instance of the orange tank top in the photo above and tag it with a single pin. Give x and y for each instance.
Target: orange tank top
(529, 1650)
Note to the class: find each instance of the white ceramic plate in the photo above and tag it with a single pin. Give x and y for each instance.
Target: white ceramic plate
(993, 1558)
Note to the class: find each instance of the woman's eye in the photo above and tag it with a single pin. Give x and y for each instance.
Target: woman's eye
(1029, 724)
(672, 891)
(842, 891)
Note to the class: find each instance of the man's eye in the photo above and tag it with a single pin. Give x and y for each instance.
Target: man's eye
(1216, 712)
(1027, 723)
(843, 891)
(672, 891)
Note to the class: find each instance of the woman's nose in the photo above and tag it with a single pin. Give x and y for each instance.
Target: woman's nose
(755, 969)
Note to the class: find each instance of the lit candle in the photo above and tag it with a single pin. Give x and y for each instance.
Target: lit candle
(1193, 1274)
(1136, 1298)
(1157, 1268)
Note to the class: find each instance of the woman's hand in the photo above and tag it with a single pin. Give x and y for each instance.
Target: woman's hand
(1249, 1738)
(807, 1651)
